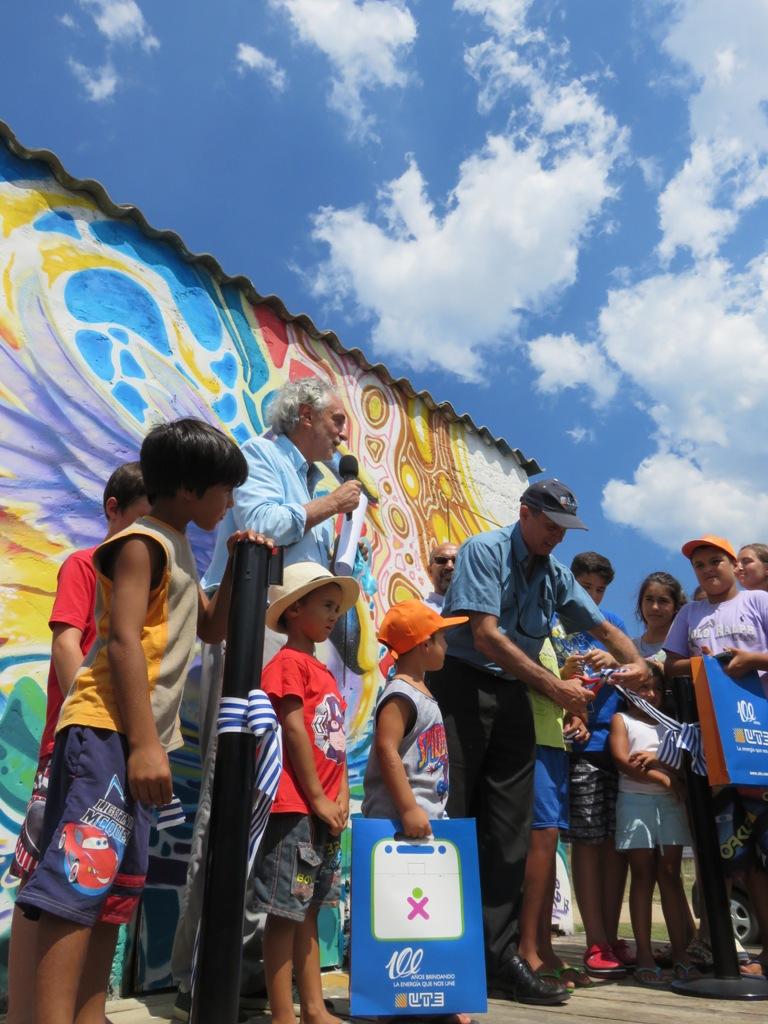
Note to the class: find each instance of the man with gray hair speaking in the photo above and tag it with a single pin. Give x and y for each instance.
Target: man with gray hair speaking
(309, 423)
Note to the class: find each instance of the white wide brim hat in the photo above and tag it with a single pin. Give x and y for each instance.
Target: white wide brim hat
(300, 579)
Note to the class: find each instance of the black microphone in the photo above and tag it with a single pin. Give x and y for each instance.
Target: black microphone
(348, 470)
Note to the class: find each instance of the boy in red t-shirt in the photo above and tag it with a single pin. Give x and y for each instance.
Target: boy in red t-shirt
(74, 630)
(297, 869)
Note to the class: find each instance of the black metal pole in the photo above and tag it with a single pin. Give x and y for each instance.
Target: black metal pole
(216, 991)
(728, 982)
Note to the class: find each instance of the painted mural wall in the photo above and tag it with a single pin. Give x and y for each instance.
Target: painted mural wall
(103, 332)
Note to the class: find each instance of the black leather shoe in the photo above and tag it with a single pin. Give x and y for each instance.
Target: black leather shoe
(516, 980)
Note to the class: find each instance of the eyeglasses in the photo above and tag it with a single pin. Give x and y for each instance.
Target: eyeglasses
(443, 559)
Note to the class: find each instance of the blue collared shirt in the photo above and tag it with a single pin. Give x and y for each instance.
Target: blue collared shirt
(271, 501)
(490, 577)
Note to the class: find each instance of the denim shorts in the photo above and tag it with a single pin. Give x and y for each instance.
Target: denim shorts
(298, 865)
(645, 821)
(94, 845)
(550, 788)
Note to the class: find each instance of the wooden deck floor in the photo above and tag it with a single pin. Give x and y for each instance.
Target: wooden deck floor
(623, 1002)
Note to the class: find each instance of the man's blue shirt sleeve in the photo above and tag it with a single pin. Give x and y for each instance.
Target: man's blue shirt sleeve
(260, 503)
(476, 582)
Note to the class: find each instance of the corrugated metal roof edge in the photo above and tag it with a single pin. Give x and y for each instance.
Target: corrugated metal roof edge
(100, 194)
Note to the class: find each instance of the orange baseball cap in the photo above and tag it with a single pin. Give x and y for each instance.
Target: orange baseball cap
(412, 622)
(709, 540)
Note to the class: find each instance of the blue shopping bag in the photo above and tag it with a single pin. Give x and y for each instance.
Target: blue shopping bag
(417, 923)
(734, 724)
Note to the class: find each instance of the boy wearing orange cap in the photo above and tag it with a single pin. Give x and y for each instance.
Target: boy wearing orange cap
(735, 622)
(726, 621)
(407, 772)
(406, 777)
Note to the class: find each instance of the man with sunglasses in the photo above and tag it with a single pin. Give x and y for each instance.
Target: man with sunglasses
(442, 561)
(511, 588)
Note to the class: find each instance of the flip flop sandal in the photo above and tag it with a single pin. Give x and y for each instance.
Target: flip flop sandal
(552, 974)
(686, 972)
(649, 977)
(750, 967)
(579, 976)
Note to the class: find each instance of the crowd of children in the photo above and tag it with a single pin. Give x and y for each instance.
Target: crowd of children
(114, 691)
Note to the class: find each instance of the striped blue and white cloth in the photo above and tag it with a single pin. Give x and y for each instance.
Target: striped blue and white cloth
(256, 714)
(679, 736)
(170, 815)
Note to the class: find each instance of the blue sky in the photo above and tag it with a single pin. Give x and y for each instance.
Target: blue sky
(551, 214)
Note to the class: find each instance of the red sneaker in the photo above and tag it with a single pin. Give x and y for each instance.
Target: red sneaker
(602, 961)
(624, 953)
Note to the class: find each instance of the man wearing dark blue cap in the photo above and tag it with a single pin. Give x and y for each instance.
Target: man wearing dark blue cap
(511, 588)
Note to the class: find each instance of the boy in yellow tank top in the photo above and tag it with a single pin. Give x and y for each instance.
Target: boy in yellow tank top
(120, 719)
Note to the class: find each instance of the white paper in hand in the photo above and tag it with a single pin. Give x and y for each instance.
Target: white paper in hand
(349, 539)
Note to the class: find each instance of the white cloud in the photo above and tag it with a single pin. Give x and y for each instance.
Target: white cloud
(650, 168)
(442, 290)
(121, 21)
(696, 345)
(671, 500)
(571, 107)
(726, 170)
(504, 17)
(726, 63)
(66, 20)
(691, 347)
(563, 362)
(99, 83)
(688, 210)
(725, 52)
(445, 286)
(553, 107)
(365, 41)
(249, 58)
(498, 69)
(580, 434)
